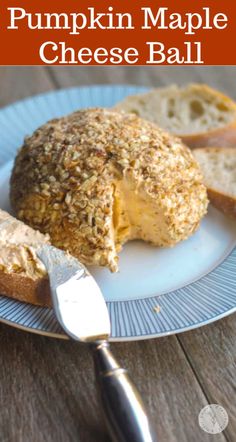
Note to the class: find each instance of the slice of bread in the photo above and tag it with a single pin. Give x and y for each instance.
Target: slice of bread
(219, 170)
(22, 275)
(198, 114)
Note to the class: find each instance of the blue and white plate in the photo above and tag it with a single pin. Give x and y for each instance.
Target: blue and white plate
(157, 291)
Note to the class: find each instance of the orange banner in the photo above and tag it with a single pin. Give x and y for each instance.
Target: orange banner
(117, 32)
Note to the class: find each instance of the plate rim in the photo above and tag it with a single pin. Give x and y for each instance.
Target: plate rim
(64, 337)
(59, 91)
(117, 338)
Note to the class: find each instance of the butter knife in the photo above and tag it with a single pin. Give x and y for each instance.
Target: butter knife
(82, 313)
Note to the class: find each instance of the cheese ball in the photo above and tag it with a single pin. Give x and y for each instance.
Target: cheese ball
(98, 178)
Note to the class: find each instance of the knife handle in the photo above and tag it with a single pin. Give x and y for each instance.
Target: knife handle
(124, 410)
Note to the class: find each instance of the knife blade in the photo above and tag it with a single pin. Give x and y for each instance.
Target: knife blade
(77, 300)
(81, 311)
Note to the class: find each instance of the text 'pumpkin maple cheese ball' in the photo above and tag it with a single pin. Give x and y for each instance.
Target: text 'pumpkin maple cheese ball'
(98, 178)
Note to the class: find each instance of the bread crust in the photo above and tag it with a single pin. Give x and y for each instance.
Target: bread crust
(224, 136)
(25, 289)
(221, 137)
(223, 202)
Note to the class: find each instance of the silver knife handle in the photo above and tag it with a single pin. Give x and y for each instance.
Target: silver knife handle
(124, 410)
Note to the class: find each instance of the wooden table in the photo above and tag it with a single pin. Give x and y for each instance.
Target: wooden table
(47, 390)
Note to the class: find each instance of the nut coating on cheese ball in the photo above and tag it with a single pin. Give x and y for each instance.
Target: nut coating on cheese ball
(98, 178)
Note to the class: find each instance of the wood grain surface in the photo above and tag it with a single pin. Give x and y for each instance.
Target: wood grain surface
(47, 389)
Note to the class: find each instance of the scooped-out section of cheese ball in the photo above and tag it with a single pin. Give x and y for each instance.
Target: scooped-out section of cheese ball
(97, 178)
